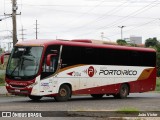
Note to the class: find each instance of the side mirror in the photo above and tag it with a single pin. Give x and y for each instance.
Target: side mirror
(48, 61)
(2, 57)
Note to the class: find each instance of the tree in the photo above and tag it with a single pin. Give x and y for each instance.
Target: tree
(151, 42)
(121, 42)
(132, 45)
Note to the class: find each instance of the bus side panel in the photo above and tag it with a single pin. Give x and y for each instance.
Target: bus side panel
(148, 84)
(107, 89)
(134, 86)
(96, 83)
(144, 85)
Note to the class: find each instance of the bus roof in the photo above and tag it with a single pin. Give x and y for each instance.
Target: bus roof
(85, 43)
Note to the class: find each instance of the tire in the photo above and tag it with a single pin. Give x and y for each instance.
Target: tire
(123, 92)
(64, 93)
(35, 98)
(97, 96)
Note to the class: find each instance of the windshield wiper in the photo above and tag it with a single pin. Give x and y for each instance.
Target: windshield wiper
(22, 59)
(17, 65)
(15, 69)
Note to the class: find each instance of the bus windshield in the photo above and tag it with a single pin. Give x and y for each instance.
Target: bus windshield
(24, 62)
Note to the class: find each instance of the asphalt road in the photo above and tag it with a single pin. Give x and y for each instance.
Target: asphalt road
(139, 101)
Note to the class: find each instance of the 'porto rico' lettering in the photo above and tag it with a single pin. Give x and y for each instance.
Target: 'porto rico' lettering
(118, 72)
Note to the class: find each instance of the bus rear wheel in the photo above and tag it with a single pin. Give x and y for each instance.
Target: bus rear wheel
(35, 98)
(123, 92)
(97, 96)
(64, 93)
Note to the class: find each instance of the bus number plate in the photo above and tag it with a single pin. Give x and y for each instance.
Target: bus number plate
(17, 90)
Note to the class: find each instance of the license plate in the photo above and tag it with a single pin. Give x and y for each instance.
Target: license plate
(17, 90)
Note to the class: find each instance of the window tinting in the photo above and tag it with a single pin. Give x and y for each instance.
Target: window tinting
(72, 55)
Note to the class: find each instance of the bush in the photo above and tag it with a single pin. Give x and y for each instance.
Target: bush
(158, 84)
(2, 81)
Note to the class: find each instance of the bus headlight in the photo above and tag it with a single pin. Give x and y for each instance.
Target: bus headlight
(32, 85)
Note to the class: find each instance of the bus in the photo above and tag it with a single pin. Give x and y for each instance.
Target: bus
(62, 68)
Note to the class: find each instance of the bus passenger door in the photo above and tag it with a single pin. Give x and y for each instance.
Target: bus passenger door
(49, 68)
(47, 76)
(46, 86)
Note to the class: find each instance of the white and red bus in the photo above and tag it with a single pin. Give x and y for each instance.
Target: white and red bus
(60, 69)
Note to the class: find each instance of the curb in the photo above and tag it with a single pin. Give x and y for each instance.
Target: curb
(6, 95)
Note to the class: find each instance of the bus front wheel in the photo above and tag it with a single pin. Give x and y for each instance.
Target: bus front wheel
(123, 92)
(64, 93)
(35, 98)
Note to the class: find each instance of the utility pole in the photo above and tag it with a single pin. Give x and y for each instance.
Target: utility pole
(14, 9)
(102, 35)
(14, 13)
(22, 33)
(9, 46)
(121, 31)
(36, 30)
(5, 18)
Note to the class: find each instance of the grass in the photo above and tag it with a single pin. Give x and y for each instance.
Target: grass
(127, 110)
(158, 84)
(2, 76)
(3, 67)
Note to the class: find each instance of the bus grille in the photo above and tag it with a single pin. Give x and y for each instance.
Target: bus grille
(17, 86)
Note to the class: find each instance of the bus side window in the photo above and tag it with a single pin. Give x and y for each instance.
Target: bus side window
(91, 56)
(133, 59)
(71, 56)
(50, 68)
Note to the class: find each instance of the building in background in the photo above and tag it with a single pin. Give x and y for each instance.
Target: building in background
(6, 45)
(134, 40)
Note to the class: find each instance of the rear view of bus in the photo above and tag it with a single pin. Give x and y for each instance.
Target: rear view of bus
(61, 69)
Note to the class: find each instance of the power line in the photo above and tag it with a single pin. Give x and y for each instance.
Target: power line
(128, 16)
(114, 10)
(134, 13)
(88, 5)
(98, 27)
(123, 19)
(21, 12)
(86, 13)
(126, 30)
(134, 28)
(108, 13)
(22, 33)
(5, 18)
(98, 18)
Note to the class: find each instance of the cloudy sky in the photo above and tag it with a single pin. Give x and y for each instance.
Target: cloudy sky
(81, 19)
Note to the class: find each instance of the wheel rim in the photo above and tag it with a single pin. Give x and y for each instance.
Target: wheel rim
(123, 91)
(63, 92)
